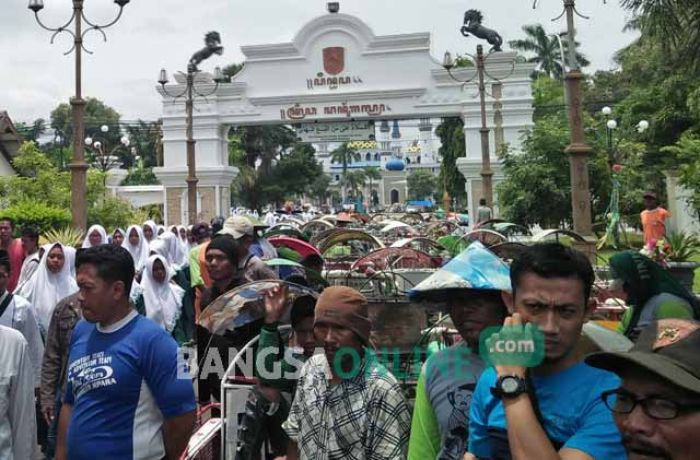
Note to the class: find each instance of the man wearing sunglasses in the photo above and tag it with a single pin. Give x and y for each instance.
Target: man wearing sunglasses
(657, 407)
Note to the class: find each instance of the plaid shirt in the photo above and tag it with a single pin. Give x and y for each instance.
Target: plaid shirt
(364, 417)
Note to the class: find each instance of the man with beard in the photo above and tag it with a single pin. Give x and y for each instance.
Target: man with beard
(347, 405)
(439, 429)
(554, 409)
(657, 407)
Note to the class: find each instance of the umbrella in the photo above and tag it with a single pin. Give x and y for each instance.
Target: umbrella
(245, 304)
(302, 247)
(474, 268)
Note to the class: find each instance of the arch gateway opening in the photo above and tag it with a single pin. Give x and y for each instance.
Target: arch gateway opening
(337, 70)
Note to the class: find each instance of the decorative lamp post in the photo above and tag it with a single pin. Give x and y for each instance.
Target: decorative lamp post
(212, 41)
(103, 159)
(577, 149)
(78, 166)
(472, 24)
(612, 214)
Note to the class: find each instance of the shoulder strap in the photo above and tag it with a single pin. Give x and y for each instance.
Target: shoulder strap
(5, 303)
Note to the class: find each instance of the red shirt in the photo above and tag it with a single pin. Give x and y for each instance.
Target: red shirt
(16, 254)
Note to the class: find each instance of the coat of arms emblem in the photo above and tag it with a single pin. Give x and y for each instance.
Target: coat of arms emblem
(334, 60)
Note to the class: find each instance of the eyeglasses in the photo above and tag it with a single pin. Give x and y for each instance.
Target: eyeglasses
(623, 402)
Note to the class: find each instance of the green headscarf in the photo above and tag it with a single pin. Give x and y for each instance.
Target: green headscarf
(645, 279)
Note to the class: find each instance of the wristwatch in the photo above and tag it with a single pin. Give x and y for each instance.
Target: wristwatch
(509, 386)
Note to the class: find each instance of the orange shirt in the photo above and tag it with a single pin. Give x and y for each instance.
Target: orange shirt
(654, 224)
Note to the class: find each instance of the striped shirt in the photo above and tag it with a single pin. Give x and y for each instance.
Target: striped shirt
(363, 417)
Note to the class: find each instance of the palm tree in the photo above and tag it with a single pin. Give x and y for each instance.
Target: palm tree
(372, 173)
(675, 23)
(345, 155)
(355, 179)
(546, 51)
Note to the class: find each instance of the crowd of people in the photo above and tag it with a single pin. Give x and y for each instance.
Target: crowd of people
(92, 365)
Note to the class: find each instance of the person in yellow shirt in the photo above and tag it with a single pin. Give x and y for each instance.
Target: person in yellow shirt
(653, 219)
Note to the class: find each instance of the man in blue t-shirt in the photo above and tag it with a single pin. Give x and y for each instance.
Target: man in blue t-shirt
(554, 410)
(128, 395)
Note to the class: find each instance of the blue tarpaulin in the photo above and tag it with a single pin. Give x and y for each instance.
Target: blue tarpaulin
(424, 203)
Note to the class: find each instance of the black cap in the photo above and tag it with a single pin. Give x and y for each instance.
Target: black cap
(669, 348)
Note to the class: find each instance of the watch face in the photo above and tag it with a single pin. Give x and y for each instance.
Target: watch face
(509, 385)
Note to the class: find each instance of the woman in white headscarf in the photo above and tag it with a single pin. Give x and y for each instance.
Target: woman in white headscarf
(182, 233)
(118, 237)
(176, 255)
(137, 246)
(96, 235)
(162, 298)
(53, 281)
(150, 230)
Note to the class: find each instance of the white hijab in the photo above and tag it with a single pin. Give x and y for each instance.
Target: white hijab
(159, 247)
(101, 230)
(163, 301)
(139, 252)
(175, 253)
(46, 289)
(154, 229)
(117, 230)
(184, 241)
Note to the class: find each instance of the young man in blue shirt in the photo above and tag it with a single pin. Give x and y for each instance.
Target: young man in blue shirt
(128, 394)
(553, 410)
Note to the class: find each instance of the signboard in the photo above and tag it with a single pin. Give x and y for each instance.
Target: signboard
(335, 131)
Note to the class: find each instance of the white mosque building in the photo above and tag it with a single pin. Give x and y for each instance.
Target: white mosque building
(400, 147)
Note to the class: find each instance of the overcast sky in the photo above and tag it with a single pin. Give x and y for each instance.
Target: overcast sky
(35, 76)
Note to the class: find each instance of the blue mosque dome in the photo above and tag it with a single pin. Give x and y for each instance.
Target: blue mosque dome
(395, 165)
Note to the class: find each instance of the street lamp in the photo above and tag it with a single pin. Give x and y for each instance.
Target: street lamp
(613, 219)
(78, 166)
(480, 60)
(612, 126)
(101, 159)
(212, 41)
(58, 141)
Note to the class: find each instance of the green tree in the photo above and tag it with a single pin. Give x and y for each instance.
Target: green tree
(372, 173)
(31, 132)
(674, 24)
(97, 113)
(686, 153)
(451, 134)
(546, 50)
(140, 175)
(293, 174)
(144, 141)
(231, 70)
(38, 182)
(344, 155)
(263, 143)
(421, 184)
(319, 187)
(355, 180)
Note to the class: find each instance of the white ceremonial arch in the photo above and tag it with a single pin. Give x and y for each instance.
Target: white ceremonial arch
(336, 69)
